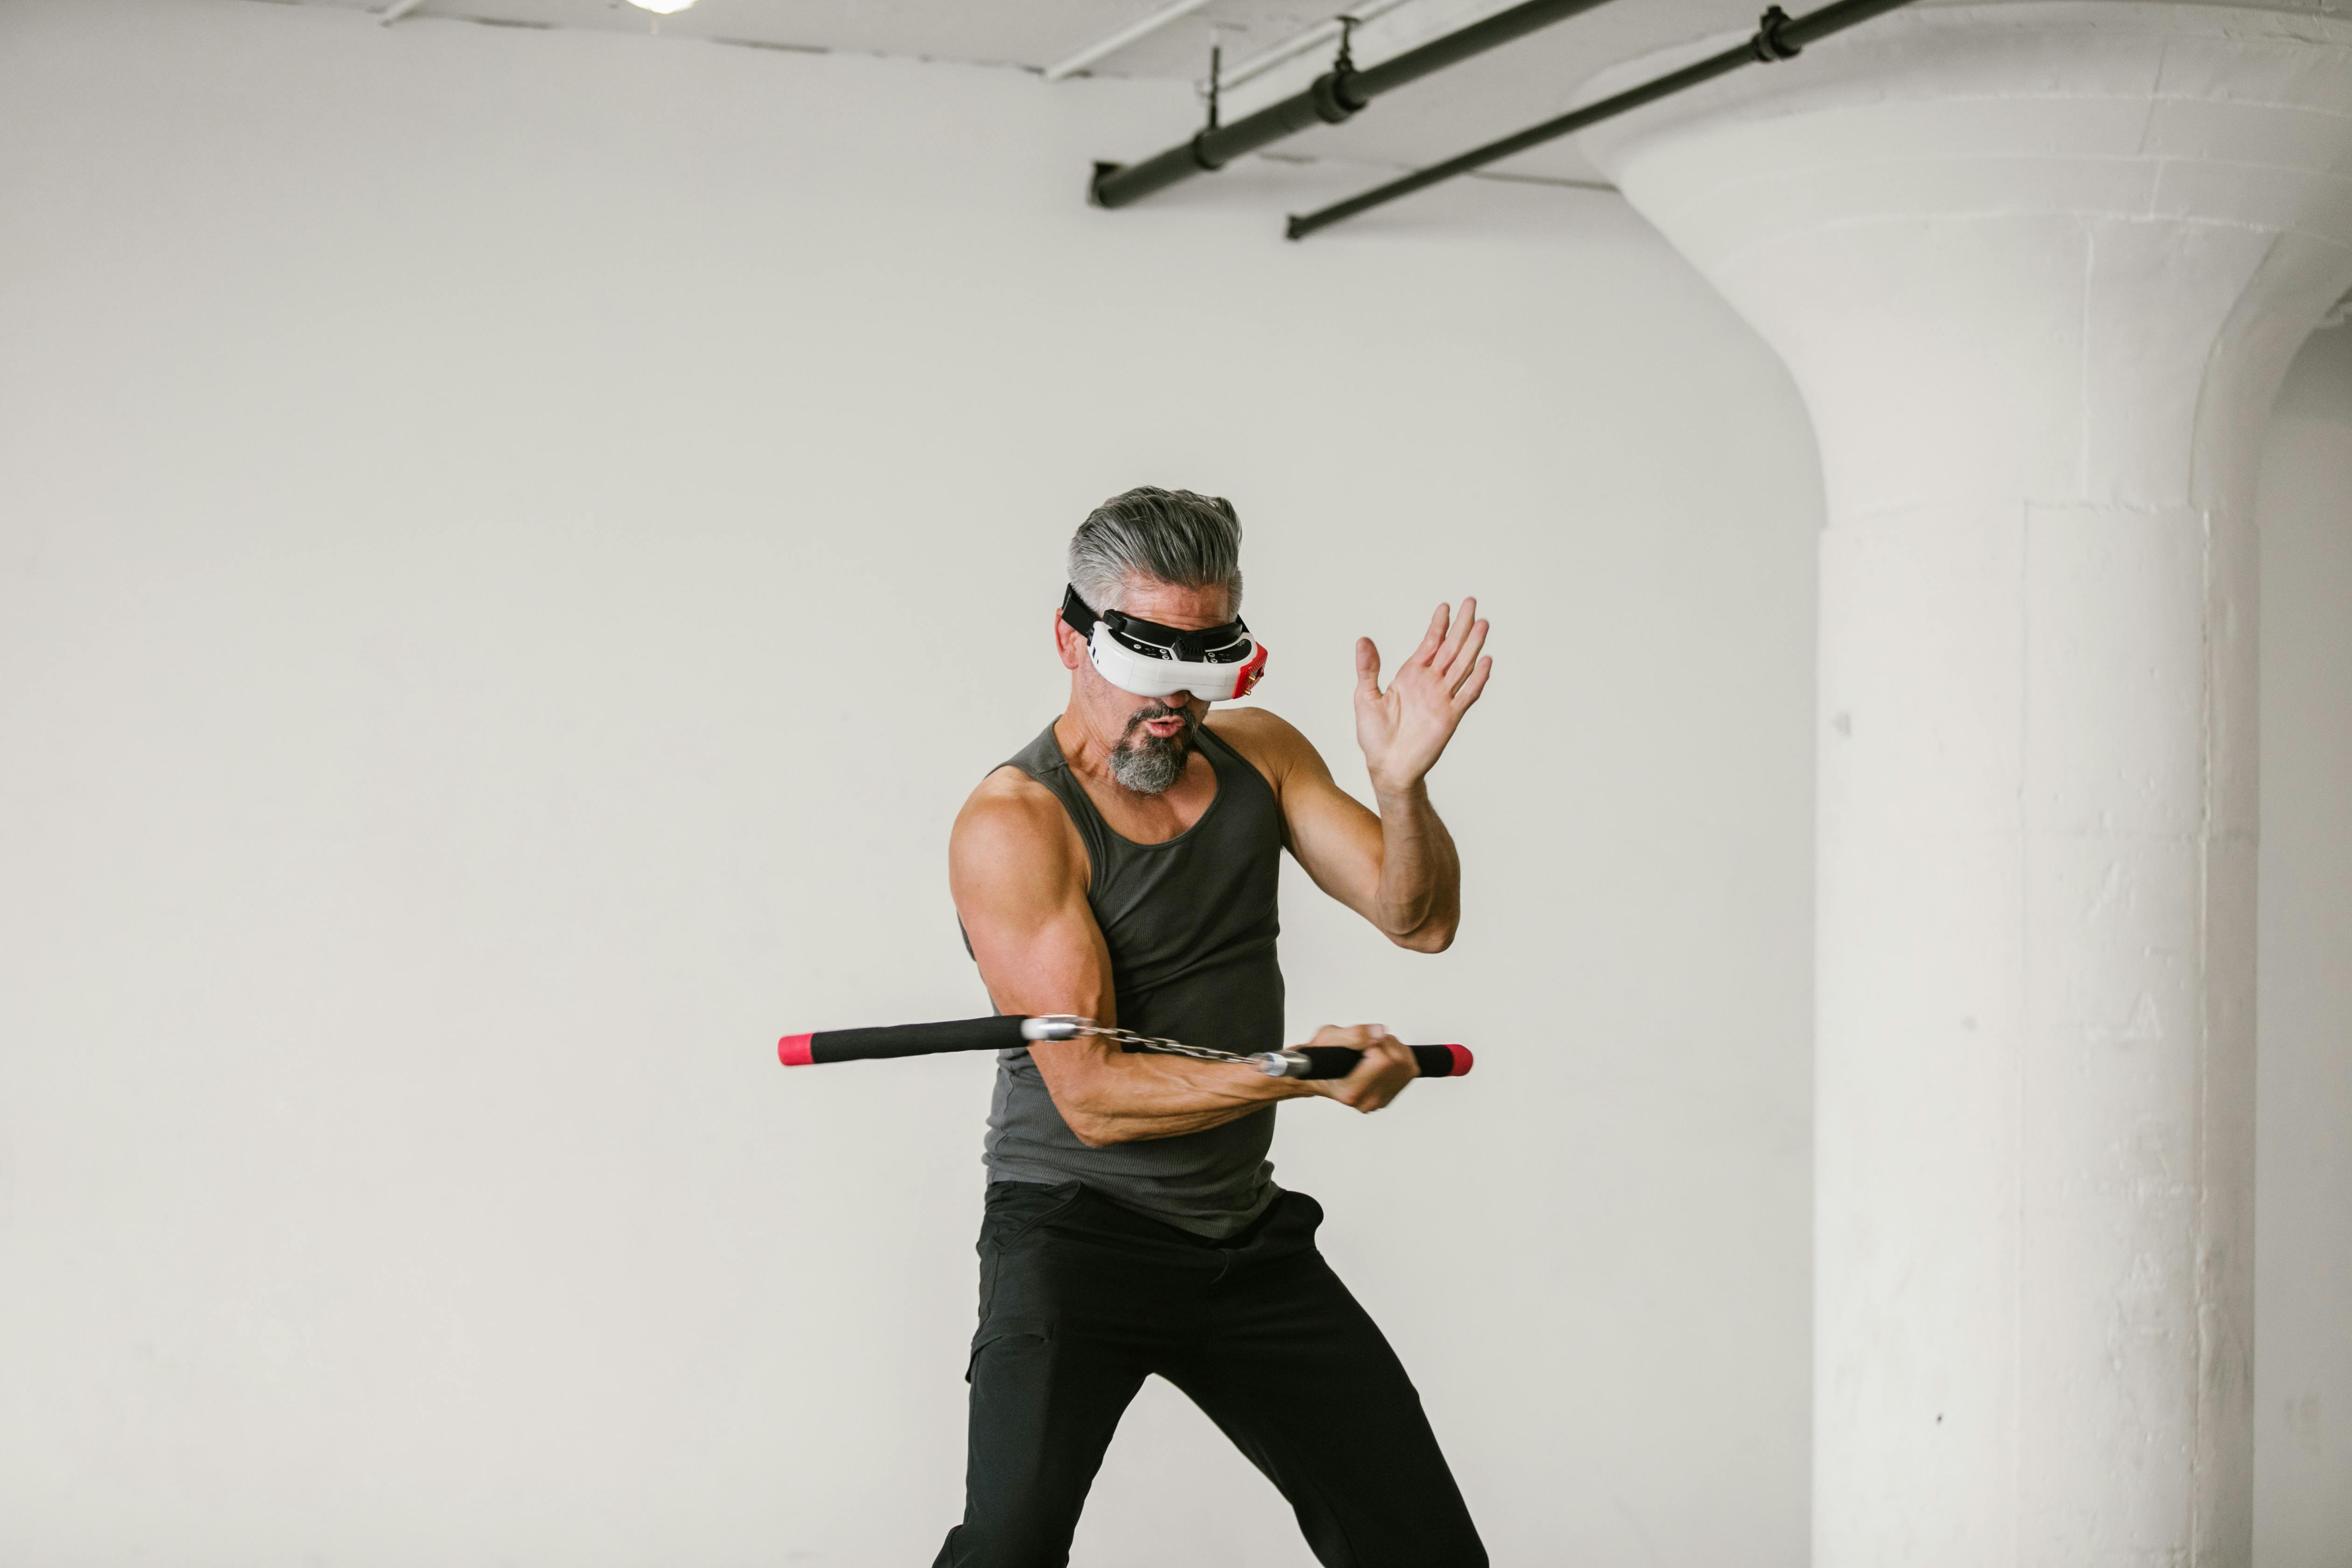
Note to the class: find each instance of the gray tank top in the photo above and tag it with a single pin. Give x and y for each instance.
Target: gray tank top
(1191, 924)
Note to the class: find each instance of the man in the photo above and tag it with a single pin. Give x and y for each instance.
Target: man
(1122, 868)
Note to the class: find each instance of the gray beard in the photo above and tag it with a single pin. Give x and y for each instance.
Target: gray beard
(1144, 763)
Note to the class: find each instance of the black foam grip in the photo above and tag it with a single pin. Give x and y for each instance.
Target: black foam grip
(1338, 1061)
(917, 1040)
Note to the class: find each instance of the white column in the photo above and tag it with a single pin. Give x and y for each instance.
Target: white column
(2037, 269)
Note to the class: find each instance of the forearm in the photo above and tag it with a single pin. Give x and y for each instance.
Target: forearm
(1419, 901)
(1109, 1096)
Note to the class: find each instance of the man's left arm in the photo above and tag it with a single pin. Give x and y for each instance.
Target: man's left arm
(1398, 869)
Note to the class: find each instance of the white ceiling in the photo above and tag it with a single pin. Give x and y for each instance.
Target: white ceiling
(1473, 103)
(1491, 96)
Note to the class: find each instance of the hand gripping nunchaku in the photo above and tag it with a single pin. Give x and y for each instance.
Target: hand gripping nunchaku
(1012, 1031)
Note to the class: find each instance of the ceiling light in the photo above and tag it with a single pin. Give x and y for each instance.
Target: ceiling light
(662, 7)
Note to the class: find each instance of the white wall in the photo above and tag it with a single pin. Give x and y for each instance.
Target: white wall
(2303, 1302)
(512, 546)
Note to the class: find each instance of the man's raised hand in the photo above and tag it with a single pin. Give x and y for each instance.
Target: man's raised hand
(1404, 730)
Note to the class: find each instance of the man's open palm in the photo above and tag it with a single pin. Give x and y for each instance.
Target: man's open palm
(1404, 730)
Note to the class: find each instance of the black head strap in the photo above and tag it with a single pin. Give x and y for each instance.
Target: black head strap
(1202, 647)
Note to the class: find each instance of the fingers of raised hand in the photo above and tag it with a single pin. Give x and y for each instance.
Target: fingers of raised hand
(1474, 683)
(1458, 628)
(1463, 651)
(1433, 639)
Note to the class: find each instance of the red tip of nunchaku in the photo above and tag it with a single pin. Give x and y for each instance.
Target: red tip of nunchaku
(793, 1050)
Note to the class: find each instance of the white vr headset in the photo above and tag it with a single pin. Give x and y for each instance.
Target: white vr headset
(1148, 660)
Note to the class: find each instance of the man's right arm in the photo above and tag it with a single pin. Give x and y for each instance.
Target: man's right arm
(1019, 875)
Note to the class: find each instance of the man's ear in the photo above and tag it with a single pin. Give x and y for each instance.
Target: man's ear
(1071, 647)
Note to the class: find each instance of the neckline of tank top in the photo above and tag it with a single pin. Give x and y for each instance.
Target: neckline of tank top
(1207, 811)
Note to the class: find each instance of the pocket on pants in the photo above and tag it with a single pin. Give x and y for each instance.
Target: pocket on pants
(1016, 1214)
(1011, 1216)
(1009, 1334)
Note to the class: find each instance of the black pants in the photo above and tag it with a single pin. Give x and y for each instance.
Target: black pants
(1081, 1298)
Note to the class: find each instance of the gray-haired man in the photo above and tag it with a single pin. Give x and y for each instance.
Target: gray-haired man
(1122, 867)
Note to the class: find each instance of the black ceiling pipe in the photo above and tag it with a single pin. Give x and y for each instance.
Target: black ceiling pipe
(1334, 96)
(1778, 36)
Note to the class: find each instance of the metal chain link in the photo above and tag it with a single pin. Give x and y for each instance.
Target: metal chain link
(1133, 1041)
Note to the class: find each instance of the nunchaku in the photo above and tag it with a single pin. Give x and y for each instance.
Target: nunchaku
(1012, 1031)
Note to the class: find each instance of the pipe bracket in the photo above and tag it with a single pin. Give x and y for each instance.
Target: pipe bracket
(1767, 44)
(1332, 100)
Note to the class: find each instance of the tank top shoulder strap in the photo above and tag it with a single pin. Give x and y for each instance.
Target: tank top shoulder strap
(1042, 761)
(1234, 770)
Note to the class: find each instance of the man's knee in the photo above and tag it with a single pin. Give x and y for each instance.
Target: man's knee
(1019, 1512)
(1442, 1538)
(1012, 1542)
(1044, 1407)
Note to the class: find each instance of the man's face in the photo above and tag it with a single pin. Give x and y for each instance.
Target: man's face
(1151, 737)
